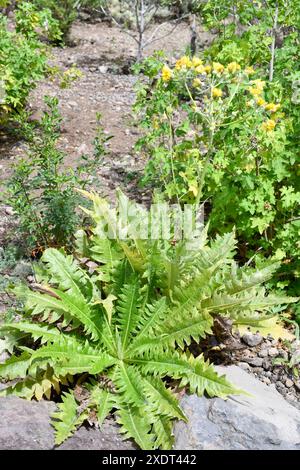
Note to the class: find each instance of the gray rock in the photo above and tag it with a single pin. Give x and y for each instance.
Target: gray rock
(266, 364)
(255, 361)
(25, 425)
(273, 352)
(263, 353)
(252, 339)
(9, 211)
(289, 383)
(103, 68)
(244, 365)
(261, 421)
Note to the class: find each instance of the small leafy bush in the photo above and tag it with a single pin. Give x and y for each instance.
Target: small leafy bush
(22, 63)
(65, 13)
(113, 324)
(33, 22)
(41, 190)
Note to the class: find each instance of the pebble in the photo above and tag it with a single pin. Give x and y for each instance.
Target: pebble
(263, 353)
(273, 352)
(251, 339)
(9, 211)
(255, 361)
(266, 380)
(266, 364)
(244, 365)
(103, 68)
(289, 383)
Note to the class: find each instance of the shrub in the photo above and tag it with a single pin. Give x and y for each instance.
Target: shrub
(64, 11)
(41, 190)
(22, 64)
(217, 132)
(116, 335)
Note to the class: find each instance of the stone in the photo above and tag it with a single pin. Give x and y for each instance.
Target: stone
(25, 425)
(9, 211)
(266, 380)
(251, 339)
(255, 361)
(266, 364)
(263, 353)
(273, 352)
(289, 383)
(103, 68)
(261, 421)
(244, 365)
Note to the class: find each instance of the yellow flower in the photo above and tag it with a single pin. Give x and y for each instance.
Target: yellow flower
(200, 69)
(218, 68)
(196, 61)
(166, 73)
(183, 62)
(268, 126)
(249, 104)
(272, 107)
(249, 70)
(196, 83)
(255, 91)
(216, 92)
(207, 68)
(260, 101)
(233, 67)
(259, 84)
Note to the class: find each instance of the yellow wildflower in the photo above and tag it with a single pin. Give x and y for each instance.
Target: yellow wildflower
(196, 61)
(255, 91)
(259, 84)
(233, 67)
(207, 68)
(249, 104)
(272, 107)
(249, 70)
(183, 62)
(216, 92)
(166, 73)
(268, 126)
(260, 101)
(200, 69)
(218, 68)
(196, 83)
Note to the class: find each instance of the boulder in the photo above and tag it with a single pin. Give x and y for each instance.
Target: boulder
(25, 425)
(263, 420)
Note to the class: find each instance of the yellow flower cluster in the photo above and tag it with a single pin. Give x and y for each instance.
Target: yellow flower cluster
(166, 73)
(257, 87)
(218, 68)
(272, 107)
(196, 64)
(216, 92)
(249, 71)
(184, 63)
(196, 83)
(269, 125)
(233, 67)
